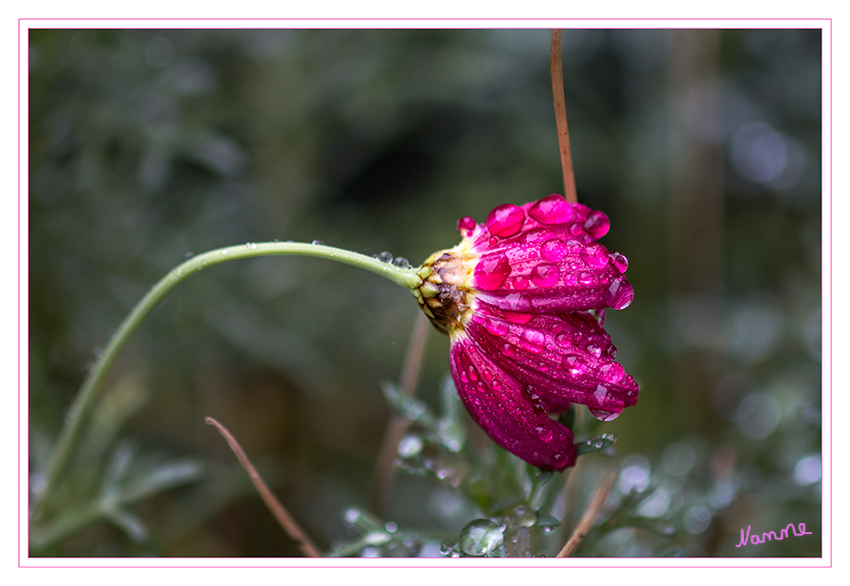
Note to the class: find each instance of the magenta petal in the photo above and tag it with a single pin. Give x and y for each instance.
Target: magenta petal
(508, 412)
(565, 358)
(553, 276)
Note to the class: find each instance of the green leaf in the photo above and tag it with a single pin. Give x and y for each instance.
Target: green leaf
(596, 444)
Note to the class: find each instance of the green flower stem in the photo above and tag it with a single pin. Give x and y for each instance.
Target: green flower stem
(87, 396)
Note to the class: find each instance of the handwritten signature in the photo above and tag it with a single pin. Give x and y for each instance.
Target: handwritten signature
(768, 535)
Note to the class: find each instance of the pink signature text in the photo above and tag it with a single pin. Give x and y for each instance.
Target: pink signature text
(756, 539)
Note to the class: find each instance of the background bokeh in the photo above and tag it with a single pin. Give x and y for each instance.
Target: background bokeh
(702, 147)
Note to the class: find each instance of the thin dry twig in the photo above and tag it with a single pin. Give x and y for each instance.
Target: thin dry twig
(278, 510)
(397, 426)
(589, 516)
(561, 118)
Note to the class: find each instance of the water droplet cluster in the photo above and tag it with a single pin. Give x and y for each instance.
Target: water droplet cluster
(542, 256)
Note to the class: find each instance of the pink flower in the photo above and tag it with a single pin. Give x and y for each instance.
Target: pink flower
(522, 298)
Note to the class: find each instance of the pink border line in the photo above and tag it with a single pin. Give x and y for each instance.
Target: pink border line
(401, 565)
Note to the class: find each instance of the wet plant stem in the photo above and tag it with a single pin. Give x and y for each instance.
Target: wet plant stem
(596, 502)
(557, 74)
(83, 405)
(295, 532)
(397, 426)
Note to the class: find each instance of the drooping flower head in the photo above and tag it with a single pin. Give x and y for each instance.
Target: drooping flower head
(522, 298)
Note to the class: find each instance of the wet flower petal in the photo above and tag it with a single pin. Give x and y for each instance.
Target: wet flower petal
(507, 412)
(523, 298)
(565, 358)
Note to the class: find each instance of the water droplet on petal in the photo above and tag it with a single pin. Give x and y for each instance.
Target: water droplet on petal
(533, 341)
(604, 415)
(597, 224)
(545, 275)
(544, 433)
(563, 340)
(509, 350)
(601, 393)
(620, 262)
(594, 349)
(520, 283)
(585, 278)
(575, 364)
(517, 318)
(620, 293)
(466, 226)
(552, 210)
(496, 327)
(473, 374)
(595, 256)
(554, 250)
(611, 372)
(505, 220)
(491, 272)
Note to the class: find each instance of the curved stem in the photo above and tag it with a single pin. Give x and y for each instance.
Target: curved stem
(86, 398)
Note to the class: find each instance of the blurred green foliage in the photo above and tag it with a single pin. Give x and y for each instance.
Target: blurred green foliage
(149, 145)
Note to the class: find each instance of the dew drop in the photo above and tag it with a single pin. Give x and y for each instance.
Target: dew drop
(384, 257)
(466, 226)
(318, 243)
(487, 375)
(620, 262)
(190, 255)
(505, 220)
(552, 210)
(602, 415)
(575, 364)
(517, 318)
(401, 262)
(533, 341)
(554, 250)
(496, 384)
(597, 224)
(520, 283)
(544, 433)
(224, 252)
(473, 374)
(496, 327)
(611, 372)
(509, 350)
(491, 272)
(595, 256)
(620, 293)
(463, 378)
(594, 349)
(545, 275)
(563, 340)
(601, 393)
(585, 278)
